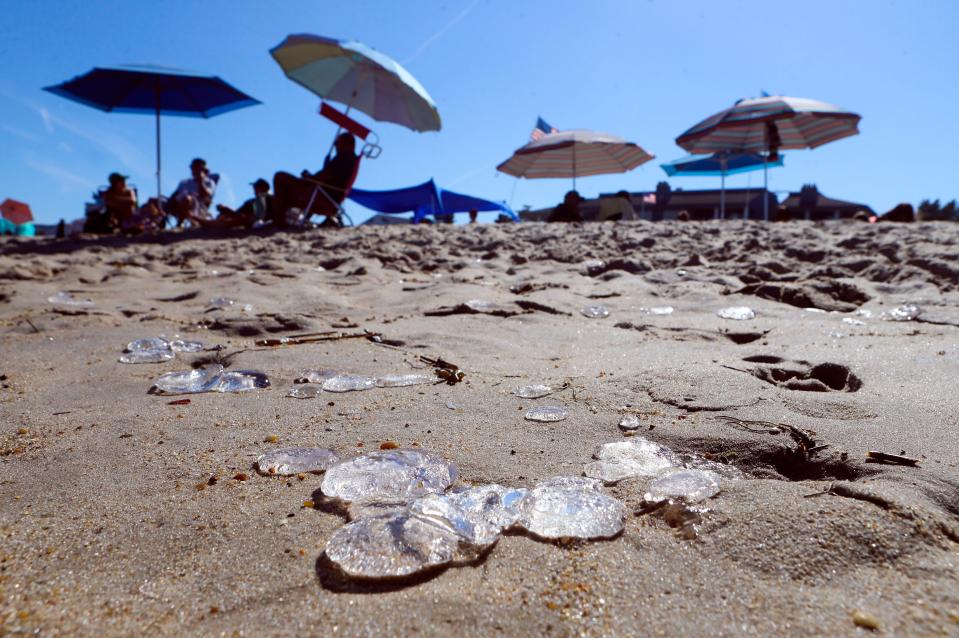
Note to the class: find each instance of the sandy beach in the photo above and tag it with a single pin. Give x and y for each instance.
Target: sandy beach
(121, 514)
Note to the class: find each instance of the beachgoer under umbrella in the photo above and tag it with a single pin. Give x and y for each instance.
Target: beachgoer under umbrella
(119, 200)
(333, 180)
(568, 211)
(193, 196)
(258, 209)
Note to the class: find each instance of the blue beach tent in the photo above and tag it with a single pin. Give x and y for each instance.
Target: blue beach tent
(425, 199)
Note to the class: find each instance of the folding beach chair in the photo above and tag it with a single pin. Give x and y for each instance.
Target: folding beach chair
(370, 149)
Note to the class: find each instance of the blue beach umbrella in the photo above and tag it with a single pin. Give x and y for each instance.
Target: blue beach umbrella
(153, 90)
(719, 164)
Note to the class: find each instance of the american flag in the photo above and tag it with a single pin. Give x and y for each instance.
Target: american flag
(541, 129)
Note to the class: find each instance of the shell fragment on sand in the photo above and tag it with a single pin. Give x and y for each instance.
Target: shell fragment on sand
(690, 486)
(546, 414)
(571, 507)
(635, 457)
(737, 313)
(348, 383)
(210, 378)
(534, 391)
(294, 460)
(388, 475)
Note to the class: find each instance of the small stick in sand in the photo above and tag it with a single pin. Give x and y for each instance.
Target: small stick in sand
(874, 456)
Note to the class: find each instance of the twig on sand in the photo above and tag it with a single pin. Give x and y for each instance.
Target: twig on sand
(35, 329)
(874, 456)
(805, 443)
(314, 337)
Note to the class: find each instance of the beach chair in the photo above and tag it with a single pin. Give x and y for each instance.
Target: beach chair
(370, 150)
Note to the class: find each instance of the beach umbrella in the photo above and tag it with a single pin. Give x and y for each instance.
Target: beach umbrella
(16, 212)
(155, 91)
(575, 153)
(769, 124)
(359, 77)
(719, 164)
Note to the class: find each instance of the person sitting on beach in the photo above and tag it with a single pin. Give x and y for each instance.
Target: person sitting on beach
(193, 196)
(119, 200)
(473, 215)
(568, 211)
(256, 210)
(333, 180)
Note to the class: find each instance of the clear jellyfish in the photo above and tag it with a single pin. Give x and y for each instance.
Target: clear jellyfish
(689, 486)
(392, 546)
(629, 423)
(546, 414)
(737, 313)
(388, 475)
(66, 299)
(147, 356)
(304, 392)
(402, 380)
(316, 376)
(534, 391)
(202, 379)
(568, 509)
(348, 383)
(595, 312)
(635, 457)
(294, 460)
(906, 312)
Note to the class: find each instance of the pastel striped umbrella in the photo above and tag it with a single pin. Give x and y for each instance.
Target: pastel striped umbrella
(575, 153)
(769, 124)
(358, 76)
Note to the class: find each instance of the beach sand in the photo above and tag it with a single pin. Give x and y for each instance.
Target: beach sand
(105, 532)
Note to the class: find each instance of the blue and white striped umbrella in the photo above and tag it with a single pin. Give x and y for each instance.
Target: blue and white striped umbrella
(362, 78)
(768, 123)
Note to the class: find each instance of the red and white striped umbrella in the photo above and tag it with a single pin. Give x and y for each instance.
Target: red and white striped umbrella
(770, 123)
(574, 154)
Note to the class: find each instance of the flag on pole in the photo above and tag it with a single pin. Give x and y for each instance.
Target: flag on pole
(541, 129)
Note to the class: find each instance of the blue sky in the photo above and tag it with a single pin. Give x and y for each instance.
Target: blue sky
(645, 70)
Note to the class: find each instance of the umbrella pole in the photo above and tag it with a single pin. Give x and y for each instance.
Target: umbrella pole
(158, 145)
(722, 196)
(574, 164)
(765, 187)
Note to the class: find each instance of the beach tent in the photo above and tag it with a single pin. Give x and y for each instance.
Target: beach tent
(425, 199)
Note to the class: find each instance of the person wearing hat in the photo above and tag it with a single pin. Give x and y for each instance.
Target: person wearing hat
(256, 210)
(568, 211)
(119, 200)
(194, 195)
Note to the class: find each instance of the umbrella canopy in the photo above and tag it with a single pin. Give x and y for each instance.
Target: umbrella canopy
(16, 212)
(575, 153)
(353, 74)
(770, 123)
(424, 199)
(718, 164)
(153, 90)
